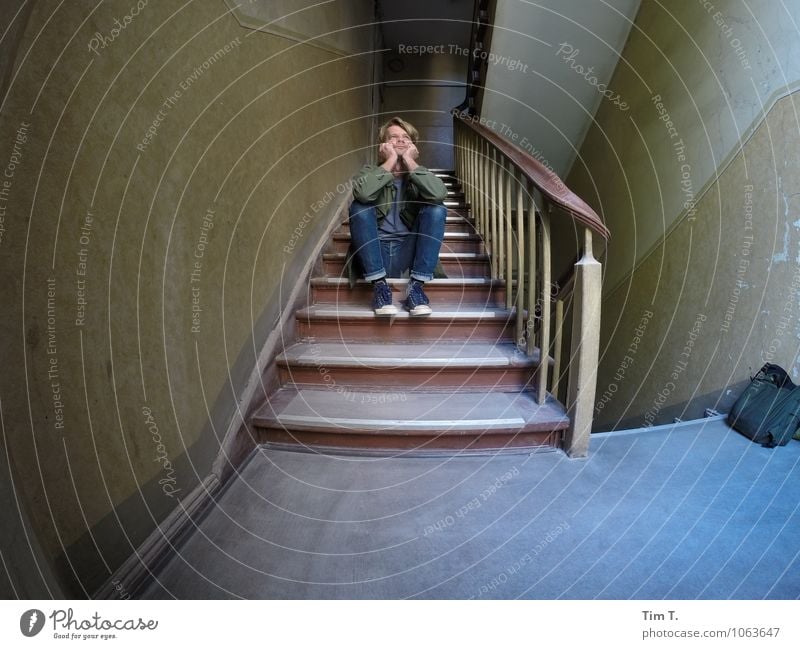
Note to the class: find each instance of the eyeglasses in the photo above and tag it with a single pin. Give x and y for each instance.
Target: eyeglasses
(399, 138)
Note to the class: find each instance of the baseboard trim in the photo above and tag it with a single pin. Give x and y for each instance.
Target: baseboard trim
(660, 427)
(130, 579)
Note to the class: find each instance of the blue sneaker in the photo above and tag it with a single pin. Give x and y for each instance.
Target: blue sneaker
(416, 301)
(382, 298)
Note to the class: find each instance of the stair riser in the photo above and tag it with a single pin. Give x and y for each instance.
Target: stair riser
(471, 246)
(457, 211)
(466, 379)
(453, 269)
(362, 294)
(406, 329)
(457, 225)
(502, 443)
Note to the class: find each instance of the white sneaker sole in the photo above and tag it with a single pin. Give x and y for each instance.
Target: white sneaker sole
(389, 309)
(422, 309)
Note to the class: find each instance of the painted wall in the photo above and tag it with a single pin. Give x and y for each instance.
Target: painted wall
(165, 171)
(424, 91)
(425, 48)
(699, 189)
(550, 66)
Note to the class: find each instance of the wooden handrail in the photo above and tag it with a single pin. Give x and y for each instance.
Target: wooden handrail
(494, 172)
(545, 180)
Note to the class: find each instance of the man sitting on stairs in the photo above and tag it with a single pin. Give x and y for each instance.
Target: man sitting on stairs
(397, 219)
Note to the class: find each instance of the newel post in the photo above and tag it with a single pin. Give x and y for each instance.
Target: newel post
(585, 350)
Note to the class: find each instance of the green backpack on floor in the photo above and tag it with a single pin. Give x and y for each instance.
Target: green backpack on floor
(768, 411)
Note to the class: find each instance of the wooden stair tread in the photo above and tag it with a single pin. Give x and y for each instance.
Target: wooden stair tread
(444, 312)
(454, 264)
(409, 413)
(401, 283)
(431, 355)
(443, 256)
(460, 236)
(451, 219)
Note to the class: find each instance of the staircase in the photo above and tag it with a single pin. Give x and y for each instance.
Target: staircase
(451, 382)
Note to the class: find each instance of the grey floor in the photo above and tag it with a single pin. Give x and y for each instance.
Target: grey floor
(685, 512)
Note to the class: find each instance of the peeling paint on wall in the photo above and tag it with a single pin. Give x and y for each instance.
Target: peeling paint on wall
(784, 254)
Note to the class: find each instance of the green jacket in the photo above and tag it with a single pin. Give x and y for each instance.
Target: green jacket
(373, 185)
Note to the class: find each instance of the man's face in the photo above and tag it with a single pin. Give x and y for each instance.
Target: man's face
(398, 138)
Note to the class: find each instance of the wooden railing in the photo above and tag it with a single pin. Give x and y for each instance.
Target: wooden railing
(513, 197)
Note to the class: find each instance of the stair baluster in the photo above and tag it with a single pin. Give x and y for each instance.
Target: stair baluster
(521, 275)
(505, 165)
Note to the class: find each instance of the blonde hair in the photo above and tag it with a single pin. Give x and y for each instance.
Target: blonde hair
(398, 121)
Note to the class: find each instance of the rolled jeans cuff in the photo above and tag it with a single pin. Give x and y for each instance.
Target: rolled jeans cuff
(373, 276)
(420, 277)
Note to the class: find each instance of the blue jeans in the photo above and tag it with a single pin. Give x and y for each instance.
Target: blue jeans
(419, 251)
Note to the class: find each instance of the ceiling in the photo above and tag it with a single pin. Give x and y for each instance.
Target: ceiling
(426, 22)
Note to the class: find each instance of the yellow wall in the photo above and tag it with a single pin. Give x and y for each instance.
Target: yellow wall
(114, 397)
(701, 273)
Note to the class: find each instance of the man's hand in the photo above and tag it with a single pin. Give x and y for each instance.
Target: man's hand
(387, 155)
(409, 157)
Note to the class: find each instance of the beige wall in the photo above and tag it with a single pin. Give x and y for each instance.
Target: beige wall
(114, 397)
(425, 91)
(540, 91)
(701, 279)
(698, 80)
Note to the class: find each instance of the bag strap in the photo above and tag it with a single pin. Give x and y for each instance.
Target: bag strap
(774, 374)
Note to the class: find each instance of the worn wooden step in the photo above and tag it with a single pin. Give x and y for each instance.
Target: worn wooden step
(456, 205)
(452, 242)
(454, 264)
(460, 211)
(455, 222)
(447, 322)
(458, 290)
(427, 366)
(339, 417)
